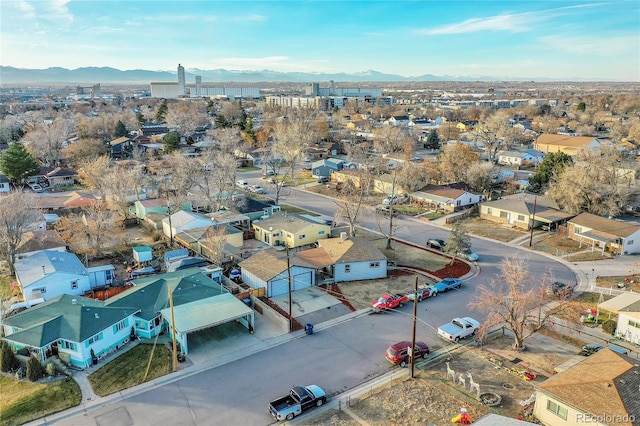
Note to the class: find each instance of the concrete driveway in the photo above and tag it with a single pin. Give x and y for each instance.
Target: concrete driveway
(312, 305)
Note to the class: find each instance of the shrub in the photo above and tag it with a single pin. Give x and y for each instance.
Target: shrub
(51, 369)
(609, 326)
(8, 360)
(35, 370)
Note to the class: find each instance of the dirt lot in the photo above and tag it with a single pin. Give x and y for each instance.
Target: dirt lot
(493, 230)
(432, 399)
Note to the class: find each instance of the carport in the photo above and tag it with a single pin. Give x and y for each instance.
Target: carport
(206, 313)
(600, 240)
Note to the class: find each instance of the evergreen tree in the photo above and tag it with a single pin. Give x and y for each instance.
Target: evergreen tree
(8, 360)
(140, 118)
(459, 240)
(221, 122)
(17, 164)
(433, 141)
(121, 130)
(171, 142)
(552, 165)
(163, 109)
(35, 370)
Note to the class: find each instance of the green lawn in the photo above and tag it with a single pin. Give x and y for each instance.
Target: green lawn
(128, 369)
(24, 401)
(248, 169)
(292, 209)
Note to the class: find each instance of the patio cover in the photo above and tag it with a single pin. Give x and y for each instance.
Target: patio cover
(206, 313)
(619, 302)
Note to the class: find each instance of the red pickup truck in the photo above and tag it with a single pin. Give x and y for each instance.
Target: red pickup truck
(389, 301)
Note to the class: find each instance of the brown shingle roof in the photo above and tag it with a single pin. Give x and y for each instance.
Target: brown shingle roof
(266, 264)
(564, 140)
(286, 222)
(443, 191)
(591, 386)
(351, 250)
(604, 225)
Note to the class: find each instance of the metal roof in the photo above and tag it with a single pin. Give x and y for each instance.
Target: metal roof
(206, 313)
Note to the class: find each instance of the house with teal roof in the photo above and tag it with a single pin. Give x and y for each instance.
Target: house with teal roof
(71, 326)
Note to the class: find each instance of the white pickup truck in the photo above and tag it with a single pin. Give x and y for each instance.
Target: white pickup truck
(458, 328)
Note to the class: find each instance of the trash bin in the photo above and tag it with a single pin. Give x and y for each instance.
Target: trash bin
(309, 329)
(247, 301)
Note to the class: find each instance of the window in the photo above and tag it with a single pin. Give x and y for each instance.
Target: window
(320, 232)
(489, 210)
(74, 284)
(630, 242)
(41, 290)
(347, 268)
(557, 409)
(72, 346)
(634, 324)
(521, 217)
(121, 325)
(109, 274)
(577, 230)
(93, 339)
(374, 265)
(303, 236)
(504, 215)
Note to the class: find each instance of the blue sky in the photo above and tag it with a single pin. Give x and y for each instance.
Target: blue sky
(507, 39)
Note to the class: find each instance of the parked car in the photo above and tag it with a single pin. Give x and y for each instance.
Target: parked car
(35, 187)
(395, 199)
(592, 348)
(242, 184)
(384, 210)
(559, 289)
(436, 243)
(306, 165)
(469, 255)
(270, 173)
(272, 180)
(323, 179)
(398, 354)
(389, 301)
(257, 189)
(424, 293)
(448, 284)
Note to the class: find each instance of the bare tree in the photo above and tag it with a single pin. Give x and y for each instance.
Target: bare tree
(458, 241)
(292, 137)
(92, 173)
(47, 140)
(83, 150)
(350, 199)
(478, 176)
(517, 300)
(89, 231)
(187, 115)
(492, 132)
(216, 239)
(18, 213)
(455, 160)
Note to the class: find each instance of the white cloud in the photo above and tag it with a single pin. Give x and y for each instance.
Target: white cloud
(57, 10)
(513, 22)
(595, 44)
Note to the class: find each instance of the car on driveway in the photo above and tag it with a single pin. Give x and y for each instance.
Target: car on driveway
(398, 353)
(257, 189)
(436, 244)
(448, 284)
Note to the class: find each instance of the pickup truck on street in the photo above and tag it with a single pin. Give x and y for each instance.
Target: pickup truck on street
(299, 399)
(458, 328)
(389, 301)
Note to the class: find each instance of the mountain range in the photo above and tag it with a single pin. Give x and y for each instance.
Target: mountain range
(108, 75)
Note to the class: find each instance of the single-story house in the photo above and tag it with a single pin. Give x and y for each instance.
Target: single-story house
(524, 211)
(48, 273)
(607, 234)
(357, 176)
(388, 185)
(202, 240)
(70, 327)
(268, 269)
(399, 120)
(627, 307)
(230, 217)
(449, 199)
(602, 390)
(254, 209)
(570, 145)
(183, 220)
(519, 158)
(283, 228)
(40, 239)
(61, 176)
(155, 205)
(326, 166)
(345, 259)
(71, 201)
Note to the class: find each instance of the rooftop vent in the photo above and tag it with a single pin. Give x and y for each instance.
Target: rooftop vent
(74, 301)
(97, 316)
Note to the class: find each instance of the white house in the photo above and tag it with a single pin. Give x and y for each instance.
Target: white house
(101, 275)
(447, 198)
(183, 220)
(50, 273)
(4, 184)
(268, 269)
(607, 234)
(518, 158)
(627, 307)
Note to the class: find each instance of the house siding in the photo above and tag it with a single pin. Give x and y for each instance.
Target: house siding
(548, 418)
(360, 270)
(628, 328)
(57, 284)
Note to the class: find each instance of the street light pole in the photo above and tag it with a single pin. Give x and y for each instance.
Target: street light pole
(289, 282)
(413, 337)
(533, 221)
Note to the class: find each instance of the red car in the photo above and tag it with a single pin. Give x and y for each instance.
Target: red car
(389, 301)
(398, 354)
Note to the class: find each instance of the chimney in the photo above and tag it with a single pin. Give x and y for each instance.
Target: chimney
(343, 236)
(43, 271)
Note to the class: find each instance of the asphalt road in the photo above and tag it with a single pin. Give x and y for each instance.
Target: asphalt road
(337, 359)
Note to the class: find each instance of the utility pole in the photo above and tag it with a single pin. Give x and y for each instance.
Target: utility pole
(413, 337)
(533, 220)
(289, 281)
(173, 331)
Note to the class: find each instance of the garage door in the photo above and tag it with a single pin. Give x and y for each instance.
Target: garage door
(278, 287)
(302, 280)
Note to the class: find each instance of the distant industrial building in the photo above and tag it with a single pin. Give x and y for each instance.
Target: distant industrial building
(181, 81)
(166, 90)
(332, 97)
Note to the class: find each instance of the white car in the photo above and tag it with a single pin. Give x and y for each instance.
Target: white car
(257, 189)
(242, 184)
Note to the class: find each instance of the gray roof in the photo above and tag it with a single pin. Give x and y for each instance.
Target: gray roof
(207, 312)
(33, 268)
(287, 222)
(545, 208)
